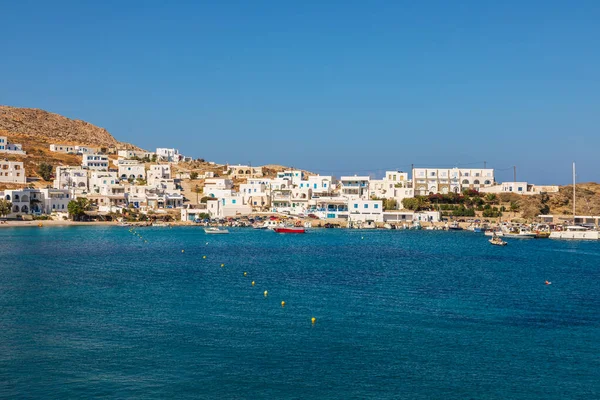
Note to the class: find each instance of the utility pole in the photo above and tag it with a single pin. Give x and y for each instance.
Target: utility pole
(484, 164)
(515, 174)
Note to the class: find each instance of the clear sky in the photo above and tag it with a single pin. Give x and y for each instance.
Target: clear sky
(329, 86)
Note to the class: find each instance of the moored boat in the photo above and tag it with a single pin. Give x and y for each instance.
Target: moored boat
(215, 231)
(290, 229)
(575, 232)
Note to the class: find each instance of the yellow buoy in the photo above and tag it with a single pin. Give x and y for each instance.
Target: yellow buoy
(183, 251)
(313, 320)
(245, 274)
(266, 293)
(222, 265)
(283, 304)
(252, 283)
(203, 256)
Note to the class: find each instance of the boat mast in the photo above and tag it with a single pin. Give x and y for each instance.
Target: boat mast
(573, 193)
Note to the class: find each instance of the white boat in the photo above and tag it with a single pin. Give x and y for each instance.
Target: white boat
(494, 232)
(387, 226)
(496, 241)
(575, 232)
(215, 231)
(519, 233)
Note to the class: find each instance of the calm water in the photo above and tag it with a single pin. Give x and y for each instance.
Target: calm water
(97, 312)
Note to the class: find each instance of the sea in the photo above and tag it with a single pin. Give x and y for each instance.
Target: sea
(174, 313)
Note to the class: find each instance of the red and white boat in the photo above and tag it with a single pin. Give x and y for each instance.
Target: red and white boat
(290, 229)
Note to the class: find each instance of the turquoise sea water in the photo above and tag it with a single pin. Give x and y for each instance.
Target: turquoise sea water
(97, 312)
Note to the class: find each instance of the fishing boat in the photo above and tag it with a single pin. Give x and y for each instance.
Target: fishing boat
(215, 231)
(454, 227)
(290, 229)
(496, 241)
(494, 232)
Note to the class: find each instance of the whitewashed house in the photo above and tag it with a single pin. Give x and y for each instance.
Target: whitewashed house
(158, 172)
(218, 188)
(168, 155)
(319, 185)
(74, 178)
(355, 187)
(360, 210)
(454, 180)
(97, 162)
(132, 171)
(11, 148)
(12, 172)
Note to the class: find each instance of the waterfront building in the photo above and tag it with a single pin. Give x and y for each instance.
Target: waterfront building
(12, 172)
(361, 210)
(229, 206)
(328, 207)
(435, 180)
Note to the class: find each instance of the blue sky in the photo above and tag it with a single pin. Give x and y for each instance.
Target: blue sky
(333, 87)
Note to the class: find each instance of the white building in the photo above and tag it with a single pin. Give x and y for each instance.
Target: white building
(328, 207)
(158, 172)
(522, 188)
(87, 150)
(293, 176)
(12, 148)
(95, 162)
(192, 214)
(63, 148)
(454, 180)
(134, 154)
(100, 181)
(355, 187)
(168, 155)
(255, 194)
(319, 185)
(132, 171)
(360, 210)
(74, 178)
(38, 201)
(218, 188)
(12, 172)
(230, 206)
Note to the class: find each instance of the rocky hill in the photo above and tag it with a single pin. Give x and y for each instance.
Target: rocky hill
(53, 128)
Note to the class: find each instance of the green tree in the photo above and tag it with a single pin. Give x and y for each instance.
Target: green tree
(204, 199)
(154, 158)
(390, 204)
(5, 207)
(77, 208)
(193, 175)
(491, 198)
(45, 171)
(414, 204)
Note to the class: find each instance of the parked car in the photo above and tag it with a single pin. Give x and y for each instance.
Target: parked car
(313, 216)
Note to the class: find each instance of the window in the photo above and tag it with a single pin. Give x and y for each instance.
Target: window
(324, 185)
(366, 206)
(519, 189)
(232, 201)
(355, 205)
(376, 205)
